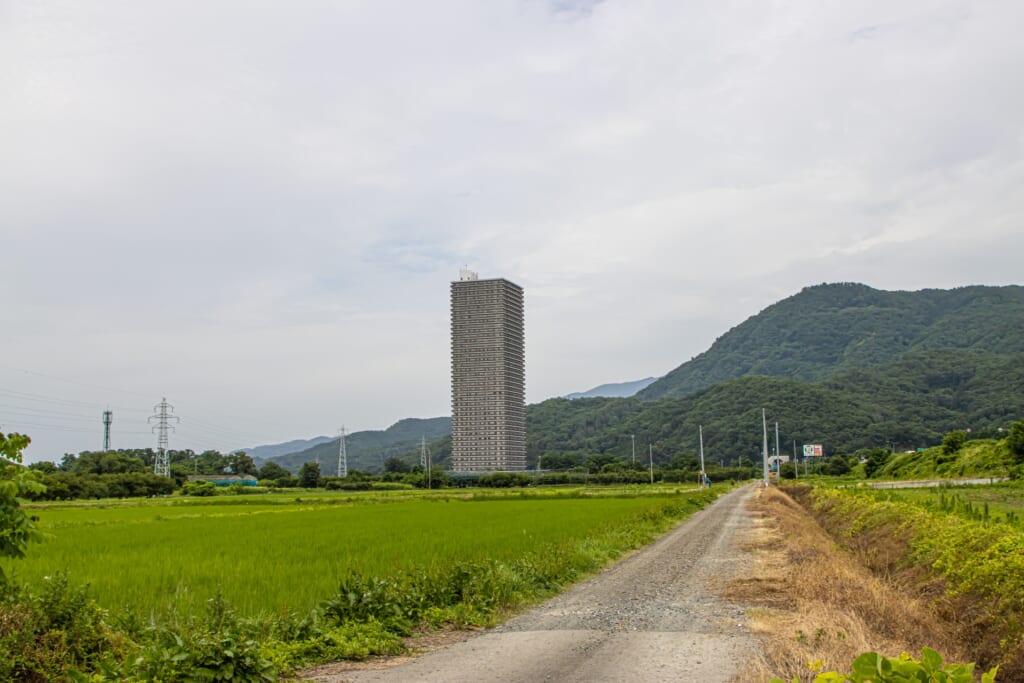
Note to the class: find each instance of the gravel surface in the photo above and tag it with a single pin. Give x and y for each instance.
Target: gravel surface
(652, 617)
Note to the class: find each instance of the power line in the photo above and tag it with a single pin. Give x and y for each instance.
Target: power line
(70, 381)
(67, 402)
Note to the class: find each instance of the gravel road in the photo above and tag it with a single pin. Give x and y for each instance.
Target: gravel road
(652, 617)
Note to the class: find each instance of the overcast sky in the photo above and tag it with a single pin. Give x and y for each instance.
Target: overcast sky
(255, 209)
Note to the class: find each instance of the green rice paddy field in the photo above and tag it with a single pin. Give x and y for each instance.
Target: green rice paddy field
(1001, 502)
(271, 554)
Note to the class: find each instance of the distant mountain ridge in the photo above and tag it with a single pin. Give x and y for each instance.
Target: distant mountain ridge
(614, 390)
(831, 328)
(909, 403)
(367, 450)
(263, 453)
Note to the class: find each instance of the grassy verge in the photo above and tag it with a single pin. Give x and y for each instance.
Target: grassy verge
(928, 577)
(819, 607)
(971, 570)
(53, 627)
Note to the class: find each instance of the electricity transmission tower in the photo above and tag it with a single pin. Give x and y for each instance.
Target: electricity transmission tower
(163, 410)
(342, 456)
(108, 418)
(425, 459)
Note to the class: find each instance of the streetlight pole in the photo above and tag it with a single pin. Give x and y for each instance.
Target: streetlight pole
(700, 431)
(764, 452)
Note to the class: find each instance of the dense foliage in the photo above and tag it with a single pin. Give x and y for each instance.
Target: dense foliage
(17, 528)
(839, 327)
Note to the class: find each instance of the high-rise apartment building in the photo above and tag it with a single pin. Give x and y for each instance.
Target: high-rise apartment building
(488, 375)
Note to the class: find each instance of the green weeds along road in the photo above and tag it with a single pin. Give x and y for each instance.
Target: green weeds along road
(256, 585)
(978, 560)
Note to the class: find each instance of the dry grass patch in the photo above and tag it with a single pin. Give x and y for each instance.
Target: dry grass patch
(818, 606)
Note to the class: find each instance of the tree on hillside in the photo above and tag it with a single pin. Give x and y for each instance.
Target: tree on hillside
(877, 458)
(240, 463)
(598, 461)
(209, 462)
(107, 462)
(44, 466)
(1015, 440)
(67, 463)
(396, 465)
(954, 441)
(16, 481)
(837, 465)
(274, 472)
(309, 475)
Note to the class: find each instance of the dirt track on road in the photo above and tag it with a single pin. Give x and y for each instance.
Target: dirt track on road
(652, 617)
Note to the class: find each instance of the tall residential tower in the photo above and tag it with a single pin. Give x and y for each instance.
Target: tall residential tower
(488, 375)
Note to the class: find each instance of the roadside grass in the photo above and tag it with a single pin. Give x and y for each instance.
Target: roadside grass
(818, 606)
(966, 574)
(973, 569)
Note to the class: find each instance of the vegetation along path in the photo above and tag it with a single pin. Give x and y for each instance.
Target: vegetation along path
(652, 617)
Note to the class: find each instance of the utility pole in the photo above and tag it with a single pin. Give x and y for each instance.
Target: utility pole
(778, 455)
(342, 456)
(108, 418)
(163, 410)
(796, 463)
(650, 455)
(764, 451)
(425, 459)
(632, 437)
(703, 477)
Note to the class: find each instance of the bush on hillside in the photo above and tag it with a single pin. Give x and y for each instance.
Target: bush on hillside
(1015, 441)
(954, 441)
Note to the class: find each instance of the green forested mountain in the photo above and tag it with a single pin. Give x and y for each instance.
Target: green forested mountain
(843, 365)
(909, 403)
(831, 328)
(367, 450)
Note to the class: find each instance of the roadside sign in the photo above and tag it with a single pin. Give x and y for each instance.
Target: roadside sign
(813, 450)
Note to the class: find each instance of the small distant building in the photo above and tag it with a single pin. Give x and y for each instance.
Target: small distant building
(225, 479)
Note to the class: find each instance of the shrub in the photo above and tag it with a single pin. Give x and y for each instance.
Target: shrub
(954, 441)
(46, 636)
(199, 488)
(1015, 441)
